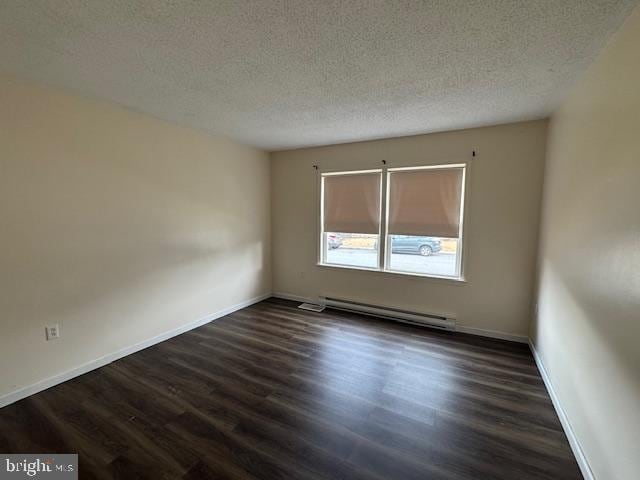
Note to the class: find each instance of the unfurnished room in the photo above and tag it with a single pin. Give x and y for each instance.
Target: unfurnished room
(324, 240)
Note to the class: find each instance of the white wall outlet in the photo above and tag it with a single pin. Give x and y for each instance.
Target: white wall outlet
(52, 331)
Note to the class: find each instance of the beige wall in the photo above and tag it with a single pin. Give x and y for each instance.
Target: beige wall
(587, 330)
(117, 226)
(501, 226)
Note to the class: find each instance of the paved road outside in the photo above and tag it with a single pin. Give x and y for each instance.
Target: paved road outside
(438, 264)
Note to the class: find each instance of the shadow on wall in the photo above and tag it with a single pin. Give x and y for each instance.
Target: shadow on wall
(161, 251)
(587, 334)
(69, 241)
(598, 265)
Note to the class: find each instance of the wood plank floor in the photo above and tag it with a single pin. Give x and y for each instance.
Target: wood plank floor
(273, 392)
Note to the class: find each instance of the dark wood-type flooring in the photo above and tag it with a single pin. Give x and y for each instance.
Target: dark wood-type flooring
(273, 392)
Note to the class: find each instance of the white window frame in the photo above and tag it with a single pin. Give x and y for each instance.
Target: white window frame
(383, 237)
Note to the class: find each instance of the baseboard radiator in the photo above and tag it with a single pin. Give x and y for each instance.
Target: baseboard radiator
(415, 318)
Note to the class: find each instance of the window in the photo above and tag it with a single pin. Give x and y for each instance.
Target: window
(351, 218)
(421, 224)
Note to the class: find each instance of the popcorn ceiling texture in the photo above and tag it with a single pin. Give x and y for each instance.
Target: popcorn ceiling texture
(283, 74)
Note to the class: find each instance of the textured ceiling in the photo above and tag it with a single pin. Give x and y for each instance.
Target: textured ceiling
(282, 74)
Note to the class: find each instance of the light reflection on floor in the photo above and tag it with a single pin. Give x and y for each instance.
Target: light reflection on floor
(349, 373)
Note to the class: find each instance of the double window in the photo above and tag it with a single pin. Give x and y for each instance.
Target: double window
(403, 220)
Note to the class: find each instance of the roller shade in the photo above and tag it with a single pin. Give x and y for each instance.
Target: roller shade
(352, 202)
(425, 202)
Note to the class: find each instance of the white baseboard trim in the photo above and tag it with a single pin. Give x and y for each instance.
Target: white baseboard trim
(32, 389)
(492, 334)
(581, 458)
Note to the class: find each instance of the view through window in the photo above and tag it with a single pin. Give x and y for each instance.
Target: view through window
(424, 255)
(354, 249)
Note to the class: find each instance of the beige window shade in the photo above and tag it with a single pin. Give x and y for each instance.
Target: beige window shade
(352, 203)
(425, 202)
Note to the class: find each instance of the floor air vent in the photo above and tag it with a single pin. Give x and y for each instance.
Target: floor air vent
(311, 307)
(422, 319)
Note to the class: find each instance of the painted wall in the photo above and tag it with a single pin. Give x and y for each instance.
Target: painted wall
(587, 329)
(501, 225)
(118, 227)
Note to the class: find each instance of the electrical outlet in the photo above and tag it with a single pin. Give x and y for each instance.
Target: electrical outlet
(52, 331)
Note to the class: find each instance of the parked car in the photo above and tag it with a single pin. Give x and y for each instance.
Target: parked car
(334, 241)
(424, 246)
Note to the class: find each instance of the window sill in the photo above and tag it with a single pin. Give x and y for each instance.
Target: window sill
(436, 278)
